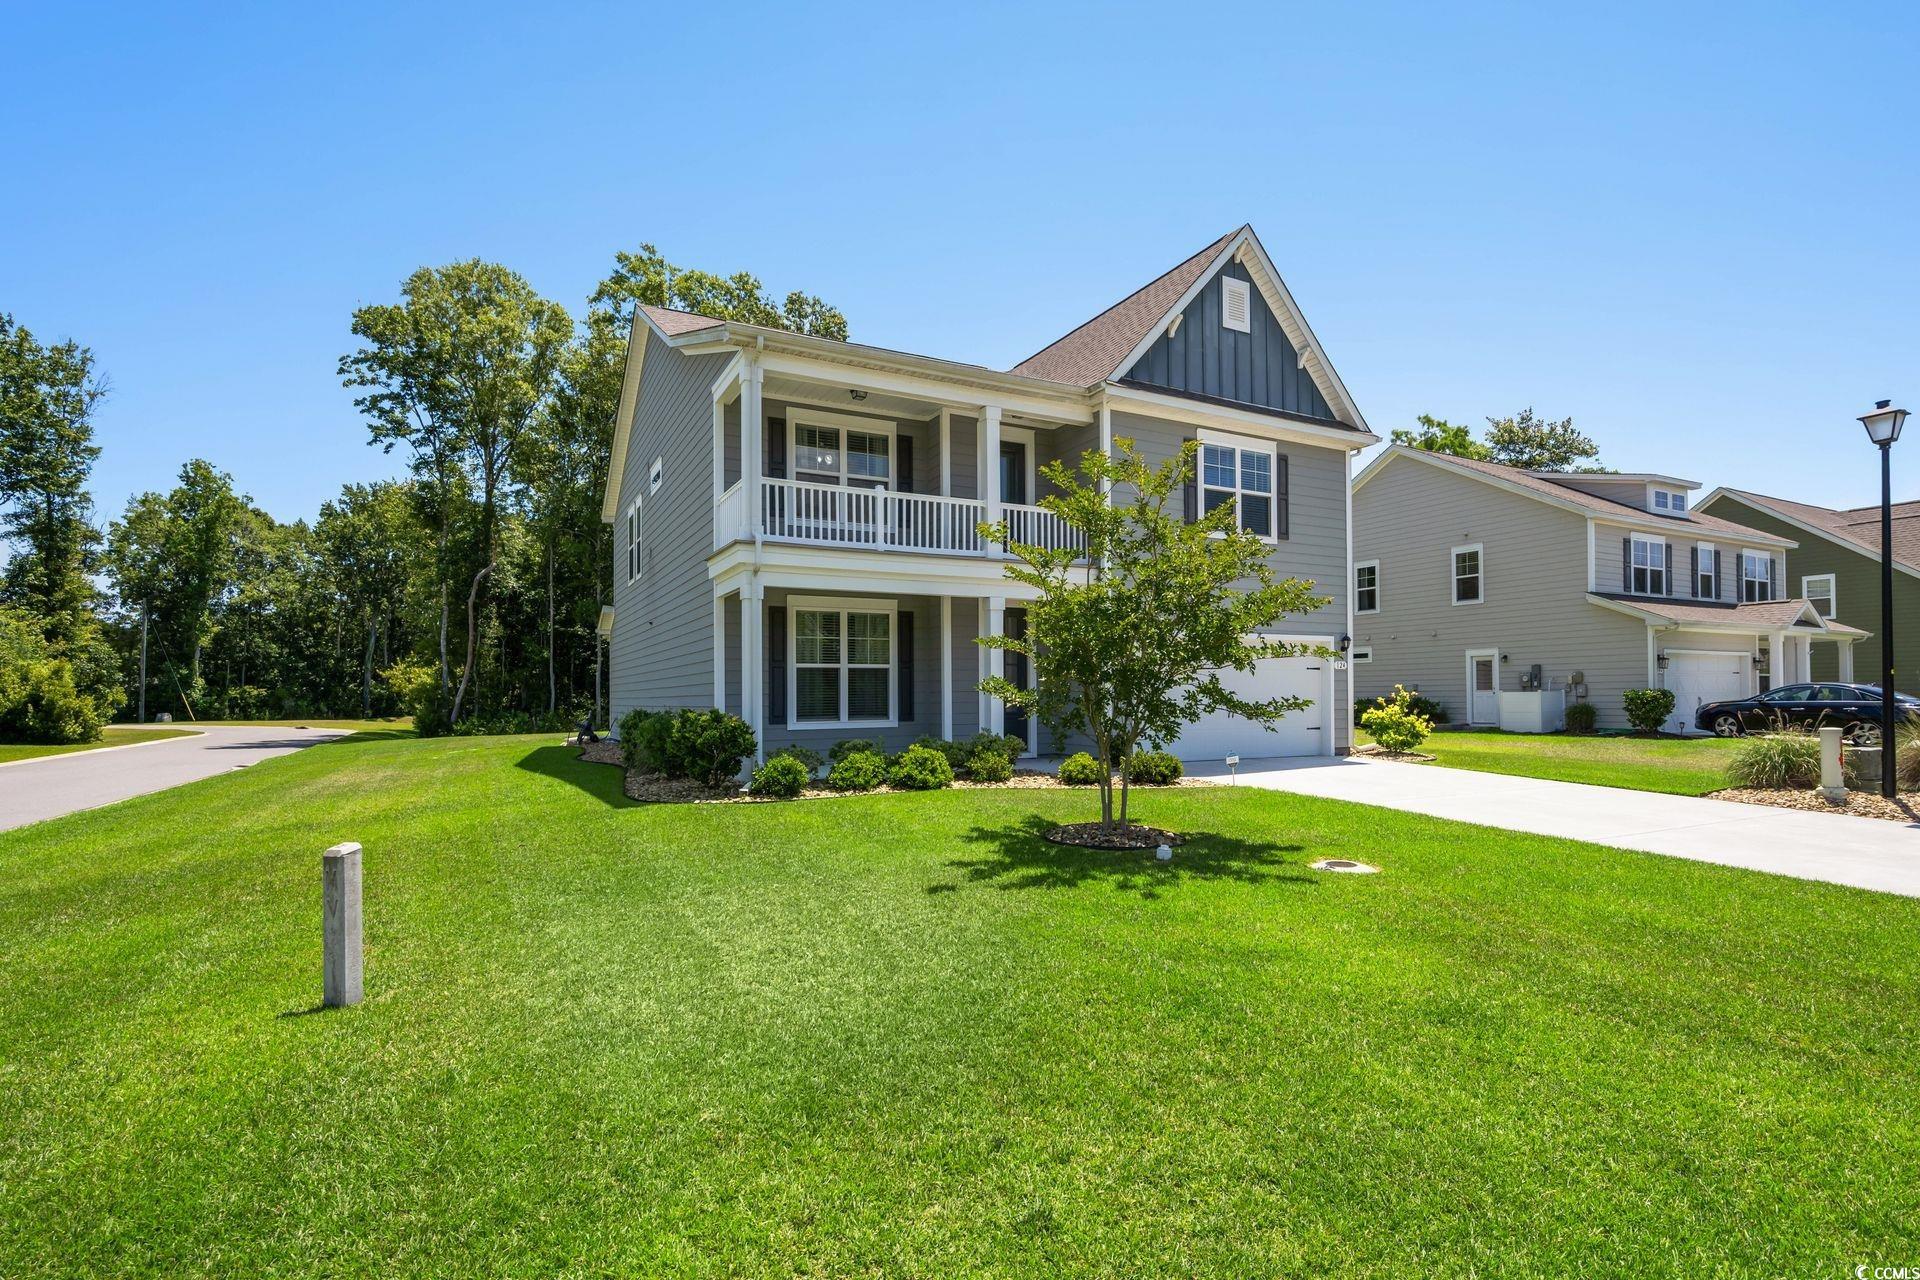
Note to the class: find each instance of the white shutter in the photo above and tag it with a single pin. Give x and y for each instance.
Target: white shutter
(1236, 305)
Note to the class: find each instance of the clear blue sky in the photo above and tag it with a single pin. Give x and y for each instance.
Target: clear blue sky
(1693, 233)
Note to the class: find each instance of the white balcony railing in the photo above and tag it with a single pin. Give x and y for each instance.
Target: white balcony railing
(1038, 527)
(841, 516)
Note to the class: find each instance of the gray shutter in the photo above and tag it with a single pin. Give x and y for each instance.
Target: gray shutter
(1719, 583)
(903, 665)
(777, 448)
(1626, 564)
(1693, 582)
(1773, 567)
(776, 665)
(903, 464)
(1190, 491)
(1666, 558)
(1280, 496)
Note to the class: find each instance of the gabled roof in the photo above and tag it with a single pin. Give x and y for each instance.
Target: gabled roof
(1095, 351)
(1856, 527)
(1772, 615)
(1535, 484)
(674, 323)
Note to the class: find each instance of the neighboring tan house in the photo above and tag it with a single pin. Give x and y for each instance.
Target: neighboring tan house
(795, 518)
(1837, 566)
(1505, 594)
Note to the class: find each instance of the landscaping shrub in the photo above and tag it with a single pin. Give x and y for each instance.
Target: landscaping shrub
(1080, 770)
(920, 768)
(858, 771)
(783, 776)
(708, 746)
(809, 759)
(988, 765)
(39, 703)
(1777, 760)
(1417, 702)
(1582, 717)
(643, 739)
(848, 746)
(1648, 709)
(1395, 723)
(956, 753)
(1004, 743)
(1153, 768)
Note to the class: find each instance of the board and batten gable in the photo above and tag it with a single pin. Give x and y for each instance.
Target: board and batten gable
(1204, 357)
(1409, 516)
(661, 653)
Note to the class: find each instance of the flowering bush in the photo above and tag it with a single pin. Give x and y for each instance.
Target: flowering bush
(1394, 723)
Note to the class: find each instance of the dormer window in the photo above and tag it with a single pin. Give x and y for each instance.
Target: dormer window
(1674, 500)
(1236, 305)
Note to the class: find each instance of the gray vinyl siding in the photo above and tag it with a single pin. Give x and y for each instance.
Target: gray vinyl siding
(661, 652)
(1204, 356)
(1062, 444)
(964, 440)
(1409, 517)
(1610, 561)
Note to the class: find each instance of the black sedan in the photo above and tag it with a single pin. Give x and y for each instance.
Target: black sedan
(1854, 707)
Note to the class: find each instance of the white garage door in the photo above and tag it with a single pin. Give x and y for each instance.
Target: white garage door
(1698, 678)
(1298, 733)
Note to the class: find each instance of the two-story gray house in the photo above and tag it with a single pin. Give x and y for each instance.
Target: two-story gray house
(795, 518)
(1506, 594)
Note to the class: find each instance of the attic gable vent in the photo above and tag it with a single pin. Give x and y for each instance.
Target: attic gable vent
(1236, 305)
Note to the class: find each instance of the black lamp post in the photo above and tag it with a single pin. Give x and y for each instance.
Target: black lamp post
(1883, 428)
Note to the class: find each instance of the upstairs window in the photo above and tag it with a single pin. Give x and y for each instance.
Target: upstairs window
(826, 453)
(1469, 586)
(1669, 500)
(656, 474)
(1236, 305)
(1818, 591)
(1243, 474)
(1649, 576)
(1366, 587)
(1708, 586)
(1756, 577)
(632, 541)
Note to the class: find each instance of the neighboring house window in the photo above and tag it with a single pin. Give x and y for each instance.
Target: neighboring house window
(1708, 587)
(1679, 502)
(1756, 577)
(1236, 305)
(633, 541)
(1241, 473)
(1363, 655)
(1649, 567)
(1468, 584)
(1366, 587)
(1669, 500)
(827, 452)
(656, 475)
(842, 663)
(1818, 590)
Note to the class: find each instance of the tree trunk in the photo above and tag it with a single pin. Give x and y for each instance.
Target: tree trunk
(366, 673)
(551, 696)
(443, 640)
(146, 610)
(473, 641)
(597, 648)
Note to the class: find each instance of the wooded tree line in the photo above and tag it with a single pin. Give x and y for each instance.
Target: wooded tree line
(467, 593)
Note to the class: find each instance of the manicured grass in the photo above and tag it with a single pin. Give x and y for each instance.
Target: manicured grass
(114, 735)
(1679, 766)
(900, 1035)
(388, 723)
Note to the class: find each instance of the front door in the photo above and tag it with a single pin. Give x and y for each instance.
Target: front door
(1013, 472)
(1483, 686)
(1017, 672)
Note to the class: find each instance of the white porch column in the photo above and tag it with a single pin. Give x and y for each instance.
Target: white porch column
(980, 653)
(1106, 444)
(719, 651)
(990, 445)
(946, 643)
(946, 455)
(1843, 650)
(753, 664)
(753, 437)
(1777, 660)
(997, 658)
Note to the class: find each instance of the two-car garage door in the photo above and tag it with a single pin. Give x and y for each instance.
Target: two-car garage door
(1298, 733)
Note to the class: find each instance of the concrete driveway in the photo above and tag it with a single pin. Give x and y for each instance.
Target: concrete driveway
(35, 790)
(1867, 853)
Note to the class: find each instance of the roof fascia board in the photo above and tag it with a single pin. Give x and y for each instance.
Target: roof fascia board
(1674, 624)
(1759, 504)
(1220, 259)
(1134, 400)
(622, 423)
(1073, 406)
(1696, 533)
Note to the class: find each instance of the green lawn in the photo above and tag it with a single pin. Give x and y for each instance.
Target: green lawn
(899, 1035)
(1681, 766)
(358, 726)
(114, 735)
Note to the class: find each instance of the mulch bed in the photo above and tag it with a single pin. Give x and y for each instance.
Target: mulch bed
(1375, 751)
(655, 788)
(1091, 835)
(1861, 804)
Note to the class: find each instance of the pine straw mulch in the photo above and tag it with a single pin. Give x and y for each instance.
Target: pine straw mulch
(1861, 804)
(656, 788)
(1373, 750)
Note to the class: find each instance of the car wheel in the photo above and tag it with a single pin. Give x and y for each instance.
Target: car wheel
(1726, 725)
(1861, 734)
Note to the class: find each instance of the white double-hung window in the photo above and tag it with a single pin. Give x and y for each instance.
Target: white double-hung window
(841, 663)
(1649, 576)
(1366, 587)
(631, 539)
(1469, 577)
(1248, 473)
(1756, 577)
(1708, 585)
(837, 449)
(1817, 590)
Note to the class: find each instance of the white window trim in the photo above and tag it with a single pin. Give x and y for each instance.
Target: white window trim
(1766, 558)
(843, 422)
(655, 474)
(632, 527)
(1358, 566)
(1665, 568)
(1361, 653)
(843, 605)
(1676, 499)
(1233, 287)
(1831, 594)
(1454, 575)
(1705, 552)
(1245, 444)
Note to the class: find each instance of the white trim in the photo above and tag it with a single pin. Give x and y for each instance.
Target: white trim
(843, 605)
(1232, 290)
(1240, 444)
(1740, 596)
(1636, 541)
(633, 541)
(1593, 568)
(1358, 565)
(1662, 621)
(1706, 553)
(1158, 404)
(656, 474)
(1832, 593)
(1759, 503)
(1454, 575)
(1474, 655)
(623, 416)
(946, 667)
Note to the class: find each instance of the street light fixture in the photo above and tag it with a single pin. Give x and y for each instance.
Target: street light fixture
(1883, 428)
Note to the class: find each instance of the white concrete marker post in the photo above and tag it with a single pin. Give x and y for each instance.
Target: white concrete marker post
(340, 878)
(1833, 783)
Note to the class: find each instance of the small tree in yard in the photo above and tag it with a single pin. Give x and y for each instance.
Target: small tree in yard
(1127, 651)
(1648, 709)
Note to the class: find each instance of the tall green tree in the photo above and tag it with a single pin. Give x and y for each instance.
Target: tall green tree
(649, 278)
(458, 370)
(1540, 444)
(47, 397)
(1437, 435)
(364, 536)
(1130, 656)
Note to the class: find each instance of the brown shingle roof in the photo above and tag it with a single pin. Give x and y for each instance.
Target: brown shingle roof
(1593, 502)
(1771, 615)
(674, 323)
(1858, 526)
(1093, 352)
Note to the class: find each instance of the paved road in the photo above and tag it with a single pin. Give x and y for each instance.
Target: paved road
(35, 790)
(1867, 853)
